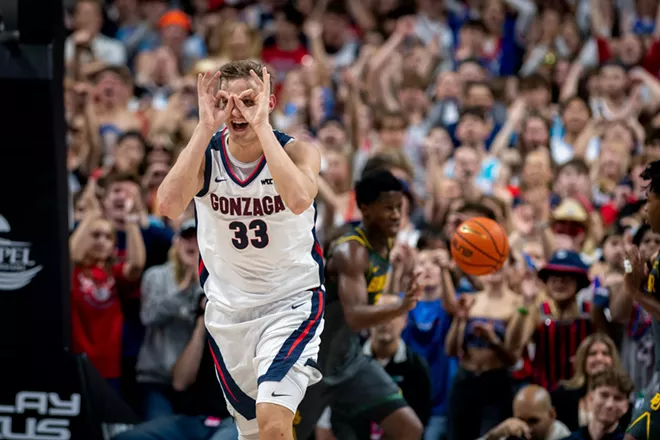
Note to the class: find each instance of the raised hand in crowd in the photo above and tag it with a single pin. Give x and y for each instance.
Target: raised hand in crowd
(413, 293)
(443, 259)
(530, 288)
(313, 29)
(402, 259)
(89, 202)
(82, 38)
(464, 304)
(135, 210)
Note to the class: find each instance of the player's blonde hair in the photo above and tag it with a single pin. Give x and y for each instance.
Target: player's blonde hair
(241, 69)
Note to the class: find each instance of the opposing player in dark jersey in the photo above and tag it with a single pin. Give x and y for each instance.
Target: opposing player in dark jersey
(645, 291)
(357, 388)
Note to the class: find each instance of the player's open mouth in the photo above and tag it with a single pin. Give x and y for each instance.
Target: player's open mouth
(239, 126)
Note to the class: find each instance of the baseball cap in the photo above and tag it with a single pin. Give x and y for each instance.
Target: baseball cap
(188, 228)
(570, 210)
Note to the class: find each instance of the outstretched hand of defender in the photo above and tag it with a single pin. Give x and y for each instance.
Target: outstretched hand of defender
(636, 271)
(254, 105)
(214, 107)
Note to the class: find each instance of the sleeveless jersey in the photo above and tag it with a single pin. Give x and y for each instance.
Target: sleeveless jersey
(651, 289)
(341, 353)
(253, 250)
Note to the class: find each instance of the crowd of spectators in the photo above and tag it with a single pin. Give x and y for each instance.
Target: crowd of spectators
(540, 114)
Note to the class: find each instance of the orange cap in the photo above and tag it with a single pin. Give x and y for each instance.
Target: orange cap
(175, 17)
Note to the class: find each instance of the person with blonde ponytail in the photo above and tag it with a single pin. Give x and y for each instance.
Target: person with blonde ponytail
(170, 303)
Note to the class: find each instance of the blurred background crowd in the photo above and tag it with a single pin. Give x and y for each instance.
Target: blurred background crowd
(539, 114)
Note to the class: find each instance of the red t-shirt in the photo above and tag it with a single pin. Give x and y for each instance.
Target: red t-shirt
(609, 212)
(96, 317)
(650, 60)
(282, 61)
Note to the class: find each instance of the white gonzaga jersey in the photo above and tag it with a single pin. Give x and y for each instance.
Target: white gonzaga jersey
(253, 249)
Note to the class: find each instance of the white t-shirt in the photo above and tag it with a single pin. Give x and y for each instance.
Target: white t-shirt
(105, 49)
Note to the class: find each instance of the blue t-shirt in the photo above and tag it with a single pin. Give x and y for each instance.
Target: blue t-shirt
(451, 130)
(428, 325)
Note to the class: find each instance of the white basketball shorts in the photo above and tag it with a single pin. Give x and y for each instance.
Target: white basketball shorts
(266, 354)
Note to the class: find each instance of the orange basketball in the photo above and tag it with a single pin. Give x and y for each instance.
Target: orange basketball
(480, 246)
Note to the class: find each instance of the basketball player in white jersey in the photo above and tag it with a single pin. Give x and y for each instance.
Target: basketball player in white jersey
(261, 267)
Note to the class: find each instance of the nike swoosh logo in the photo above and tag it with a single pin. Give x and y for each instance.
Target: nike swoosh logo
(218, 179)
(375, 269)
(274, 394)
(295, 306)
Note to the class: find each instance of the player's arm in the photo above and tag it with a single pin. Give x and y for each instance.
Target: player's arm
(649, 303)
(620, 305)
(295, 169)
(186, 178)
(633, 279)
(352, 262)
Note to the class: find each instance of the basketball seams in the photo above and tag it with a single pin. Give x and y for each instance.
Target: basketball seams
(492, 266)
(459, 234)
(495, 244)
(489, 255)
(466, 228)
(480, 267)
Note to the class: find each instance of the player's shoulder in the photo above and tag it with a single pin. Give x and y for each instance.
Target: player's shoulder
(283, 138)
(351, 247)
(350, 258)
(656, 261)
(351, 233)
(217, 139)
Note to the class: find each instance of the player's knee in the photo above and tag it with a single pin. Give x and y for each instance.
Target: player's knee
(275, 421)
(414, 429)
(403, 424)
(274, 428)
